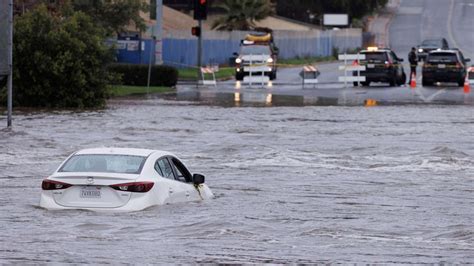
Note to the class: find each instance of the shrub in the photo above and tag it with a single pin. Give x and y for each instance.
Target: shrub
(59, 61)
(137, 75)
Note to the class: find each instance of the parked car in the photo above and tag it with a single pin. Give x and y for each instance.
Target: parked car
(382, 65)
(430, 45)
(445, 66)
(118, 179)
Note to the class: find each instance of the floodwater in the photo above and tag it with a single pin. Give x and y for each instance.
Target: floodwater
(390, 184)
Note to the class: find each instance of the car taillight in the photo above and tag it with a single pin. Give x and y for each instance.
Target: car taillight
(458, 65)
(388, 64)
(139, 187)
(54, 185)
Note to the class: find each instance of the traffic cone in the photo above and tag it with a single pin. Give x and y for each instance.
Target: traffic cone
(413, 81)
(467, 88)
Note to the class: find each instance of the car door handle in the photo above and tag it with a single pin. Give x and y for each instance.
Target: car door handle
(171, 191)
(187, 193)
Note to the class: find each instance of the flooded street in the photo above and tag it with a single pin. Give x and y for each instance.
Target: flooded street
(388, 184)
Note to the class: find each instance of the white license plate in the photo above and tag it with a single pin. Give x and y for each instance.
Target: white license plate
(370, 66)
(441, 66)
(91, 192)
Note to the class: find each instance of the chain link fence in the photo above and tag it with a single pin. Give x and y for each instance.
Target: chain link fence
(4, 30)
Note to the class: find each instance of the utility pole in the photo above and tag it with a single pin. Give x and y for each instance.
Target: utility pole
(199, 51)
(200, 14)
(158, 33)
(10, 64)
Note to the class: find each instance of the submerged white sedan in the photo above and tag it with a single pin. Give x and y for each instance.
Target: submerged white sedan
(118, 179)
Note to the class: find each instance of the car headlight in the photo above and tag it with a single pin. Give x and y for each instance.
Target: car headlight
(270, 60)
(238, 60)
(420, 50)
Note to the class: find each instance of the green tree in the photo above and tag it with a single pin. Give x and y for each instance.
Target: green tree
(242, 14)
(114, 16)
(59, 61)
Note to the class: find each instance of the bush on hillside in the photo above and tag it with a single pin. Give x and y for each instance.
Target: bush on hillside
(59, 61)
(137, 75)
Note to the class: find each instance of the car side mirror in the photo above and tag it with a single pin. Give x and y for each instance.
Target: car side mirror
(467, 59)
(400, 59)
(235, 54)
(198, 179)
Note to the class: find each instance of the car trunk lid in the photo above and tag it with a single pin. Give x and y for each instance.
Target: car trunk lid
(92, 190)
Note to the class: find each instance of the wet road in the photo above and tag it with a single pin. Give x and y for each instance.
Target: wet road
(417, 20)
(390, 184)
(414, 21)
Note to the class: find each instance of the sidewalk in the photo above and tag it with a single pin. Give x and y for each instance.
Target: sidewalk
(379, 25)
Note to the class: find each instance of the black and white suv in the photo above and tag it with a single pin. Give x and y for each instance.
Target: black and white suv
(445, 66)
(382, 65)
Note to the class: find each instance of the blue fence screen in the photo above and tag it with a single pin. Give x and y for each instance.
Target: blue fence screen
(182, 53)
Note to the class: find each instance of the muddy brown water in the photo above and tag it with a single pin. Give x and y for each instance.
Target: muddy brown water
(302, 184)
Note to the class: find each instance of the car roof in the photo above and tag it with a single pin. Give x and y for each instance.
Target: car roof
(434, 39)
(445, 51)
(379, 50)
(122, 151)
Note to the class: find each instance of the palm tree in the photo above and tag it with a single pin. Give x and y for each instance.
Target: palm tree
(242, 14)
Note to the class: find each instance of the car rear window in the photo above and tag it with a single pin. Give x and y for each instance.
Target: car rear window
(442, 58)
(435, 43)
(375, 57)
(104, 163)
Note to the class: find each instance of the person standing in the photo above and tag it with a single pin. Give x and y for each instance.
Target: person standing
(413, 59)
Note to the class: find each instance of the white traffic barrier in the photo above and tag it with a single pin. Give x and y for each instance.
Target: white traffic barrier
(256, 69)
(256, 79)
(310, 75)
(208, 70)
(470, 75)
(350, 68)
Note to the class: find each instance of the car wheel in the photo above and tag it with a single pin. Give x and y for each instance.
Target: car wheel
(403, 80)
(239, 77)
(273, 75)
(393, 82)
(356, 84)
(365, 83)
(461, 83)
(425, 83)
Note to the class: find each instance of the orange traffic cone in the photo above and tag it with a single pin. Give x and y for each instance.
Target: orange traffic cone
(467, 88)
(413, 81)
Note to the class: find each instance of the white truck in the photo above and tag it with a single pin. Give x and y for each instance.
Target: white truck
(257, 56)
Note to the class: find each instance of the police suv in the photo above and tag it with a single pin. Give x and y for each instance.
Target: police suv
(382, 65)
(445, 66)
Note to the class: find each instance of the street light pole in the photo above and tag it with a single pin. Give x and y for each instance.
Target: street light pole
(199, 51)
(10, 64)
(158, 33)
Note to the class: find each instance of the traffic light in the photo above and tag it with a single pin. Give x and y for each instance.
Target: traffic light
(200, 9)
(196, 31)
